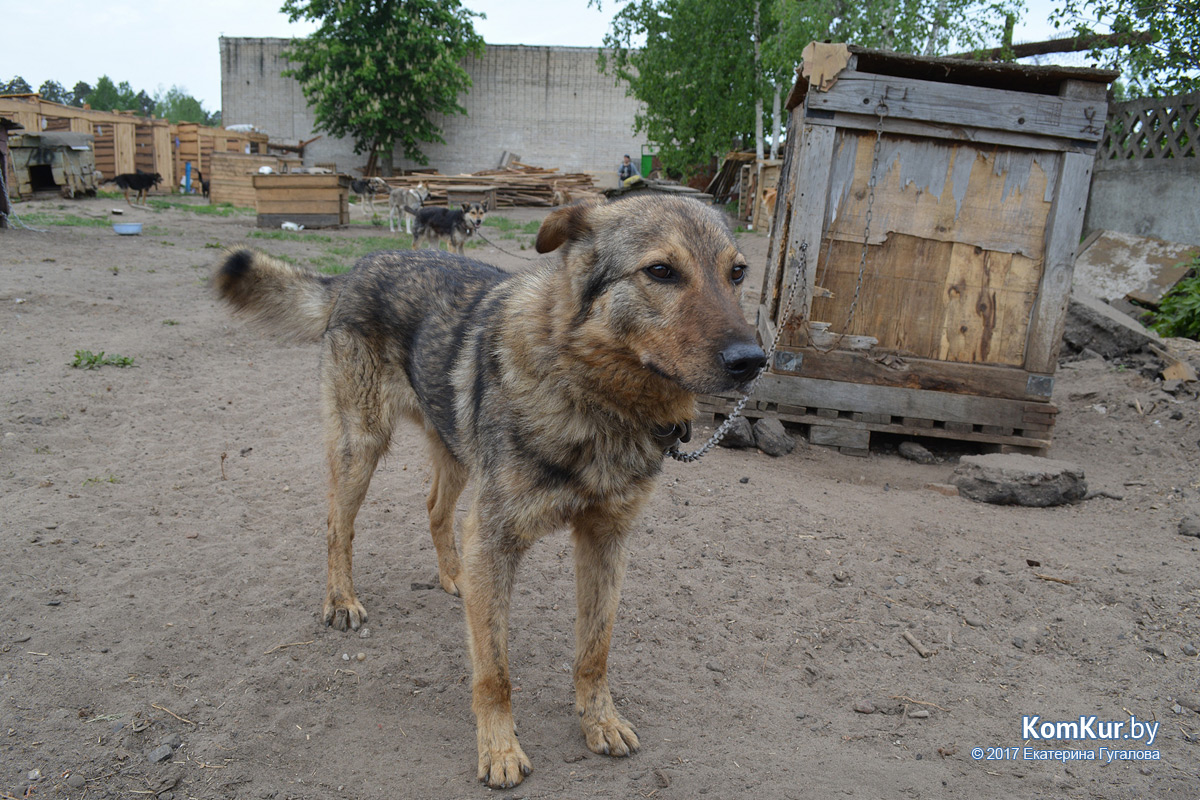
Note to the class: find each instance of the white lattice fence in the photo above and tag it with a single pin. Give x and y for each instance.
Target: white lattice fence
(1152, 128)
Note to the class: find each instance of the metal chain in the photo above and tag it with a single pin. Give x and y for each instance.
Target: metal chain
(881, 111)
(719, 433)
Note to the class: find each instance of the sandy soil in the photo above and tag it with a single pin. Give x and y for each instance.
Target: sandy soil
(162, 567)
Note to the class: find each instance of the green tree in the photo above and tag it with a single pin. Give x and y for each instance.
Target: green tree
(1168, 64)
(177, 105)
(79, 94)
(105, 96)
(54, 92)
(17, 85)
(706, 65)
(376, 71)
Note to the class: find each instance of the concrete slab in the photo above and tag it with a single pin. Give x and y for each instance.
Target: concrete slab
(1114, 264)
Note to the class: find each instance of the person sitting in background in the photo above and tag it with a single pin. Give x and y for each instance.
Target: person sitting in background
(627, 172)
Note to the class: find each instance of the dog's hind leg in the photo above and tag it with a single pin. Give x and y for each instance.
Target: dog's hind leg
(358, 428)
(490, 558)
(449, 477)
(600, 557)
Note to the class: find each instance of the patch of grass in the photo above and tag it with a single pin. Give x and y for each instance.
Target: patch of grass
(109, 478)
(212, 209)
(104, 195)
(67, 221)
(213, 245)
(359, 247)
(1179, 312)
(504, 225)
(170, 322)
(86, 359)
(331, 265)
(289, 236)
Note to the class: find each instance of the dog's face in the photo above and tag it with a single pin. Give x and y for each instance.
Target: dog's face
(421, 192)
(474, 213)
(157, 179)
(658, 280)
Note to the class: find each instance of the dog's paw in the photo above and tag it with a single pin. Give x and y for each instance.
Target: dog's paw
(610, 736)
(342, 614)
(451, 586)
(503, 765)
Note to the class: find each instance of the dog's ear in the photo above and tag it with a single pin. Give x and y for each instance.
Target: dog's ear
(569, 222)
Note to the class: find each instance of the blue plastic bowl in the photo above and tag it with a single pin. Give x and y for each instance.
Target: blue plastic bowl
(127, 228)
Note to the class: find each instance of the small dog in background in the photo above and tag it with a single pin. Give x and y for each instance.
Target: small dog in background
(401, 201)
(365, 191)
(455, 225)
(138, 182)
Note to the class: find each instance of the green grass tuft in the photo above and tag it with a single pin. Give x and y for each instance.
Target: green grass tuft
(86, 359)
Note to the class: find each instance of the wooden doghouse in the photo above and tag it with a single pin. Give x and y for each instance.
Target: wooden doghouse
(314, 201)
(951, 326)
(60, 162)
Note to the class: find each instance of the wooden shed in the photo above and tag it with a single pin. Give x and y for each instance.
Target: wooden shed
(946, 318)
(231, 175)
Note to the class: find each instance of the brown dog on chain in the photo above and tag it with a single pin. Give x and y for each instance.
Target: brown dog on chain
(556, 390)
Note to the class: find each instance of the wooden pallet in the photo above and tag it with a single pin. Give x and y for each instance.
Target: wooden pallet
(850, 431)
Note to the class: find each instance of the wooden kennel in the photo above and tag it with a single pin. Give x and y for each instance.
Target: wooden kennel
(314, 201)
(951, 326)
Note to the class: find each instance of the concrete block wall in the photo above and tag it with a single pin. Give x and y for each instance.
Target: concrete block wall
(549, 105)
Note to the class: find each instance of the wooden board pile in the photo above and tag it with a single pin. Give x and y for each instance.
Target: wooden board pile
(516, 185)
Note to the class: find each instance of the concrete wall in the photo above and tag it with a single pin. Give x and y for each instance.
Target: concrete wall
(1150, 197)
(549, 105)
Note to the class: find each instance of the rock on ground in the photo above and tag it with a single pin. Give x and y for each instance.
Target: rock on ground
(916, 452)
(771, 437)
(1012, 479)
(740, 434)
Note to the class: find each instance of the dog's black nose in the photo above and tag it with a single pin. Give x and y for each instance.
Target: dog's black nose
(743, 361)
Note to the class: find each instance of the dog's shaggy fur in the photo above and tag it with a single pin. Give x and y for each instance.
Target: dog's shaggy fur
(556, 391)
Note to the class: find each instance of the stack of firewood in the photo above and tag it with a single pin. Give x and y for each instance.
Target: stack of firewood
(516, 185)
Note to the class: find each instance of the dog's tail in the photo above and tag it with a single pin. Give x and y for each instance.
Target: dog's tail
(284, 298)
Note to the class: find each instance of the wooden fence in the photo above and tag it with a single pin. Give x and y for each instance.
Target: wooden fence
(1151, 128)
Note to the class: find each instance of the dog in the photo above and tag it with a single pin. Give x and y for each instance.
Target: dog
(455, 225)
(400, 202)
(204, 185)
(556, 391)
(138, 182)
(365, 191)
(560, 196)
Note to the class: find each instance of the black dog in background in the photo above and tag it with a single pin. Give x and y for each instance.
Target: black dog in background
(139, 182)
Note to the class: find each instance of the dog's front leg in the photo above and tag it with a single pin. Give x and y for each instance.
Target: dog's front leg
(490, 558)
(600, 557)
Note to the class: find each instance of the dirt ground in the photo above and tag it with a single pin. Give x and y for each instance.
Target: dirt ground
(162, 568)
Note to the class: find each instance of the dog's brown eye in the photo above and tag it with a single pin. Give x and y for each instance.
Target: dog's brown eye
(661, 272)
(738, 274)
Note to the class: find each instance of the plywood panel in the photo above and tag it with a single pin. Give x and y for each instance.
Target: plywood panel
(993, 197)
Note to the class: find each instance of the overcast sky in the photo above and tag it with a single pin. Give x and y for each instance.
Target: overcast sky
(154, 44)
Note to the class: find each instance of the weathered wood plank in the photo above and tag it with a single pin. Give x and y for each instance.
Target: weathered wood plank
(897, 402)
(959, 431)
(809, 194)
(839, 436)
(961, 133)
(958, 104)
(1062, 239)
